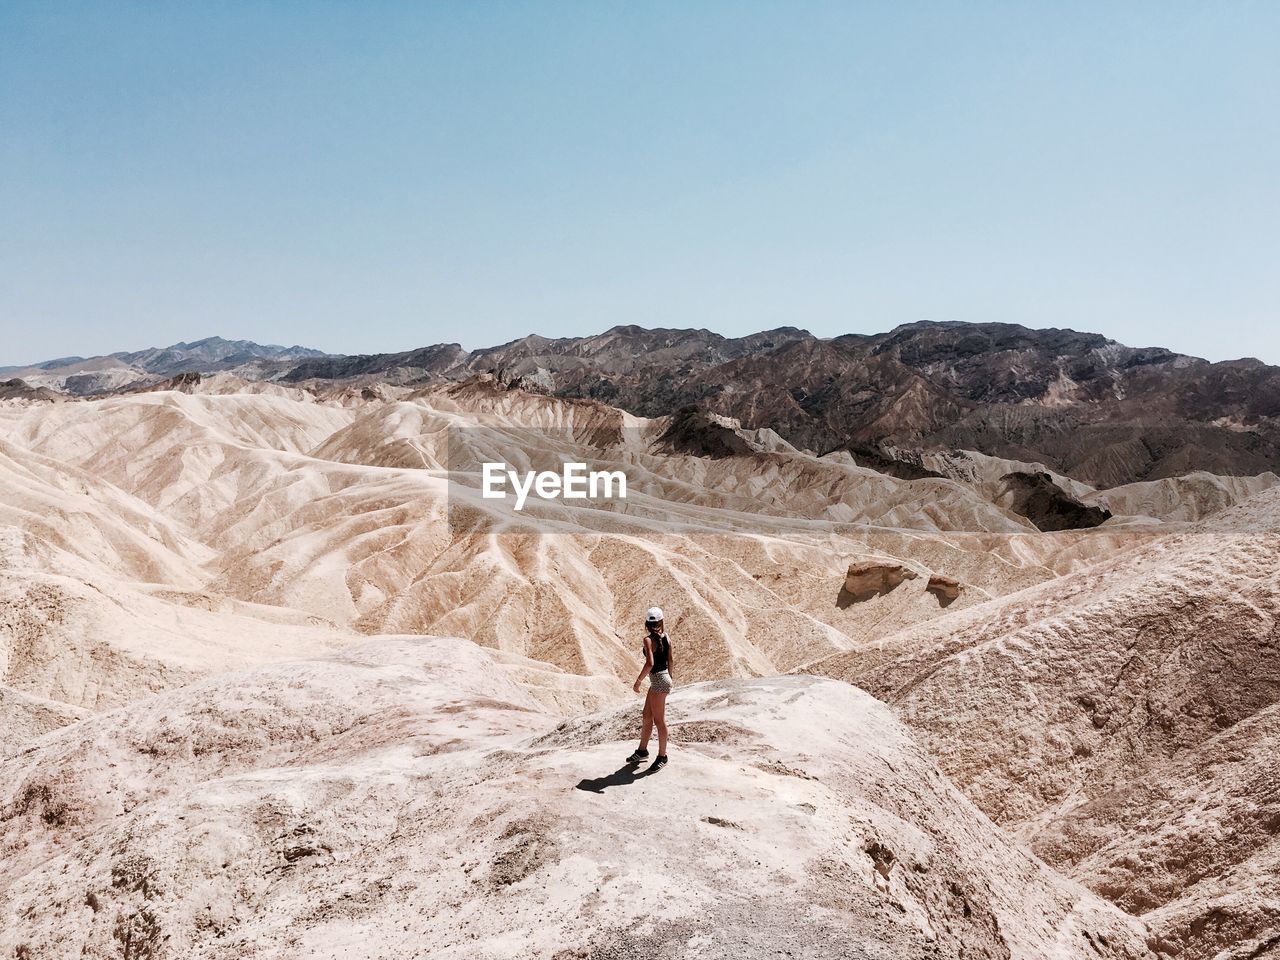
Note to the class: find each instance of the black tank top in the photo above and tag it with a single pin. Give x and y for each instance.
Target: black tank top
(661, 645)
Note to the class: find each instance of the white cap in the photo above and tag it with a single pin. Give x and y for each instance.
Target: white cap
(654, 615)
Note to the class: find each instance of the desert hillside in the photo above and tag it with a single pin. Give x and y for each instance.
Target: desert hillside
(276, 677)
(409, 787)
(1122, 720)
(1080, 403)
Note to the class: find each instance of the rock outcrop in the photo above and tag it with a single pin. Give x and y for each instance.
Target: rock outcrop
(873, 578)
(408, 792)
(16, 389)
(946, 589)
(1123, 719)
(1038, 498)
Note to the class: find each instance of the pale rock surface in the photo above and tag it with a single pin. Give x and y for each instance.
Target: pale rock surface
(24, 717)
(1193, 497)
(986, 472)
(188, 561)
(1121, 719)
(407, 795)
(338, 509)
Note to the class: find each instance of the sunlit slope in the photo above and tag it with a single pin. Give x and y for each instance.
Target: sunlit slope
(409, 792)
(337, 509)
(1121, 719)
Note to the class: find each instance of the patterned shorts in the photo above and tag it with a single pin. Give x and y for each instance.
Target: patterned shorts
(660, 681)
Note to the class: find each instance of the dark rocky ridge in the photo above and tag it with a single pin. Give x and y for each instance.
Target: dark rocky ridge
(693, 432)
(16, 389)
(210, 355)
(411, 366)
(902, 467)
(1080, 403)
(1036, 497)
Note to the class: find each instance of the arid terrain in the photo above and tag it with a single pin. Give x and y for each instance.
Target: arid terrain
(977, 633)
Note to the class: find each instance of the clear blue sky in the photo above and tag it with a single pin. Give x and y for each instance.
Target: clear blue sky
(373, 176)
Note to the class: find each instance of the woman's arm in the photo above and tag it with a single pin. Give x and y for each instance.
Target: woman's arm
(648, 665)
(671, 660)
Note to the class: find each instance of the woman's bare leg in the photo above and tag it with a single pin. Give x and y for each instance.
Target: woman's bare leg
(647, 728)
(660, 719)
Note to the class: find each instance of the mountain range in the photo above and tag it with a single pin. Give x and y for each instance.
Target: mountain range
(90, 376)
(1079, 403)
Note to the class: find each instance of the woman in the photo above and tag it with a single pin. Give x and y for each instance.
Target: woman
(658, 662)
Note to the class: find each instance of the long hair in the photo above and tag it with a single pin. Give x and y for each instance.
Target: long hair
(660, 641)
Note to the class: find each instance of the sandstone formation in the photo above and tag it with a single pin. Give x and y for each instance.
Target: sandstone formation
(406, 792)
(276, 677)
(871, 578)
(1121, 719)
(946, 589)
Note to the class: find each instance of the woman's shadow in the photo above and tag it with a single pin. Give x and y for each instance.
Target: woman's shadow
(619, 778)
